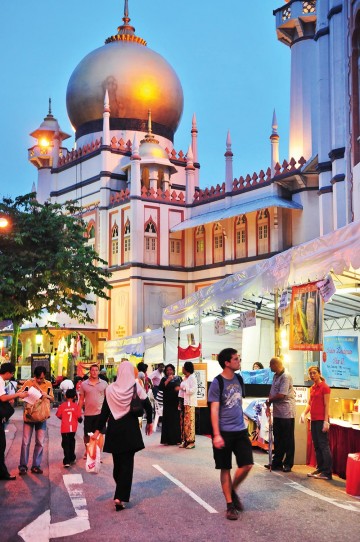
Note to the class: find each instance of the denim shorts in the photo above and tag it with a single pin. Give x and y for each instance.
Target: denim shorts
(236, 442)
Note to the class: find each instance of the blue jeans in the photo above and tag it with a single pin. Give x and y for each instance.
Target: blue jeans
(322, 447)
(40, 433)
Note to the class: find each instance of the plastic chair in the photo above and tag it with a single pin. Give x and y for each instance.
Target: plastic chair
(158, 413)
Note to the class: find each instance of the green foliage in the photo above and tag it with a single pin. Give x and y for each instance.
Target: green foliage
(45, 262)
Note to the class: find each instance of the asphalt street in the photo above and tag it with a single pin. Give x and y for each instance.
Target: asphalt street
(176, 495)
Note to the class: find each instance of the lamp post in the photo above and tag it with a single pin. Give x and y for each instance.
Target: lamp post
(38, 339)
(1, 346)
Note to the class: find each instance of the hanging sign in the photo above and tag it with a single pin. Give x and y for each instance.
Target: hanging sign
(201, 377)
(306, 318)
(327, 288)
(219, 326)
(284, 300)
(247, 319)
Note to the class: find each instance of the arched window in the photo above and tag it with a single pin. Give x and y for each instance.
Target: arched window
(200, 246)
(263, 232)
(176, 249)
(114, 244)
(91, 234)
(240, 237)
(151, 243)
(219, 244)
(127, 245)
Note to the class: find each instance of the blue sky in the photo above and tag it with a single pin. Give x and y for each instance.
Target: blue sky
(231, 66)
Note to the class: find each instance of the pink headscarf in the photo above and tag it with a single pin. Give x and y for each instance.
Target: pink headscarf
(119, 394)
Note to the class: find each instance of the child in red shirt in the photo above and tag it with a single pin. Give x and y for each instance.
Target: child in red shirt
(69, 414)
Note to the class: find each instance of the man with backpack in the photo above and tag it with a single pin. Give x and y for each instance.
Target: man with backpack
(230, 433)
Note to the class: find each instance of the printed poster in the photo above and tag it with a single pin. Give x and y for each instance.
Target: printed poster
(340, 362)
(247, 319)
(306, 318)
(201, 377)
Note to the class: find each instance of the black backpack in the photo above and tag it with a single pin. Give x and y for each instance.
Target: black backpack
(220, 379)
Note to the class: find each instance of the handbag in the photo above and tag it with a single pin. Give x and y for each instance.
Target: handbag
(6, 411)
(136, 407)
(38, 412)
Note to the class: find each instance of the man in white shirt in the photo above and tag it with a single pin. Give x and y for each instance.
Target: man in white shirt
(7, 370)
(156, 377)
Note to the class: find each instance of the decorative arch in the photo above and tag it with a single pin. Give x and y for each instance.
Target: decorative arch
(145, 177)
(151, 245)
(114, 255)
(126, 242)
(91, 233)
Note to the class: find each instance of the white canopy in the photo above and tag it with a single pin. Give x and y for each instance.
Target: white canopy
(135, 344)
(336, 251)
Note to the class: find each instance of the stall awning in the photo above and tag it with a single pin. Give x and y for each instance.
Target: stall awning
(236, 210)
(134, 344)
(336, 251)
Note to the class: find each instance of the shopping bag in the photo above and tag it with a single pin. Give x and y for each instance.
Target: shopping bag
(38, 412)
(93, 454)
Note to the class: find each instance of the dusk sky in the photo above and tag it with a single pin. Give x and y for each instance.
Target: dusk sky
(233, 71)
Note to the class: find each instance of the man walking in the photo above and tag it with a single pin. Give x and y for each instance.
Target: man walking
(282, 397)
(7, 370)
(47, 394)
(230, 434)
(91, 396)
(156, 377)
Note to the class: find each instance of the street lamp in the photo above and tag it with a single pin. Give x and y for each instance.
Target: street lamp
(4, 223)
(38, 339)
(1, 346)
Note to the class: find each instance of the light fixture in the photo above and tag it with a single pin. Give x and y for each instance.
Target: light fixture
(1, 346)
(38, 339)
(209, 318)
(4, 222)
(185, 328)
(44, 142)
(147, 329)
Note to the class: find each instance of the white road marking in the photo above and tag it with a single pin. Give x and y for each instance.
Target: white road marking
(42, 530)
(330, 500)
(186, 490)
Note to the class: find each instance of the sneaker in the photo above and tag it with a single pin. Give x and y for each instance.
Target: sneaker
(313, 474)
(23, 470)
(236, 501)
(273, 467)
(190, 446)
(286, 468)
(67, 465)
(36, 470)
(322, 476)
(182, 445)
(232, 513)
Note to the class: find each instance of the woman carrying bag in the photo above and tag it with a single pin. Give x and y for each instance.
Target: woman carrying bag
(123, 436)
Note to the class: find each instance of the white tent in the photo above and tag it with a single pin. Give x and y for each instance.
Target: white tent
(135, 344)
(337, 251)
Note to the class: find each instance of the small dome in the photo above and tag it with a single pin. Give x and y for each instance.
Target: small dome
(152, 150)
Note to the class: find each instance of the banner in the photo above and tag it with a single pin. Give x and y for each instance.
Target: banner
(247, 319)
(327, 288)
(340, 362)
(306, 318)
(190, 352)
(219, 326)
(201, 377)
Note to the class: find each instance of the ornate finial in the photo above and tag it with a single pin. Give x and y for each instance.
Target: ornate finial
(126, 32)
(149, 123)
(274, 124)
(49, 106)
(149, 138)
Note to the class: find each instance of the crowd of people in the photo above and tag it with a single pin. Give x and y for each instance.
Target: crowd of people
(109, 409)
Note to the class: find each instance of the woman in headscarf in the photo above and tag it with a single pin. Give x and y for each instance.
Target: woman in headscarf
(123, 436)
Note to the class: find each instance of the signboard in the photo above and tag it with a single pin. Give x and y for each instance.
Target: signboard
(340, 362)
(247, 319)
(284, 301)
(43, 360)
(219, 326)
(201, 377)
(301, 395)
(306, 318)
(327, 288)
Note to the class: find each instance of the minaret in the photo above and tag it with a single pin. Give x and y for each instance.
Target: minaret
(194, 145)
(44, 154)
(274, 138)
(296, 27)
(190, 176)
(228, 164)
(135, 173)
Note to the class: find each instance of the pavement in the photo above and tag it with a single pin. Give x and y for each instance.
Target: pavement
(176, 495)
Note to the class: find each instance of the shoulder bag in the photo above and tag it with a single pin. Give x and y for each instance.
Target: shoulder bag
(136, 407)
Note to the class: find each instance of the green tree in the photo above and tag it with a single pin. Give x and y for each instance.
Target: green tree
(46, 264)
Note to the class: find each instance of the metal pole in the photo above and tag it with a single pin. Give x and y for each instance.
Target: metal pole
(178, 359)
(200, 338)
(276, 326)
(164, 345)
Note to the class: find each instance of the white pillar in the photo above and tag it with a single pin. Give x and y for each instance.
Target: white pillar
(106, 120)
(274, 138)
(190, 177)
(194, 146)
(135, 183)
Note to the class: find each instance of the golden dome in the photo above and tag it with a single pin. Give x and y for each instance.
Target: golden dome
(137, 79)
(152, 150)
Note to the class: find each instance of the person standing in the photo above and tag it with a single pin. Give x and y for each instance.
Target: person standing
(318, 406)
(170, 386)
(230, 434)
(123, 436)
(45, 387)
(70, 414)
(156, 377)
(282, 397)
(7, 371)
(91, 397)
(188, 399)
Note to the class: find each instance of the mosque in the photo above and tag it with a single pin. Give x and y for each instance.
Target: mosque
(162, 235)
